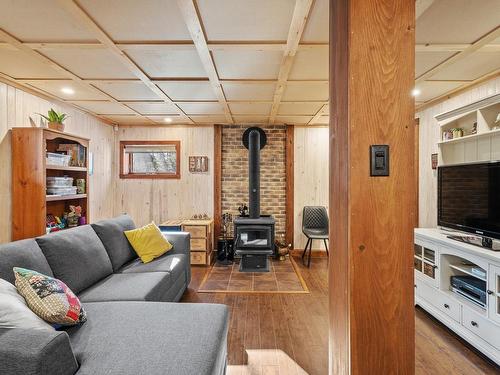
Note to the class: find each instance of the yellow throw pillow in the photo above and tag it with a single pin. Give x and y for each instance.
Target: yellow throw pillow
(148, 242)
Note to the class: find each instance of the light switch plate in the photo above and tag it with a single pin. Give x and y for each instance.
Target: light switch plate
(379, 160)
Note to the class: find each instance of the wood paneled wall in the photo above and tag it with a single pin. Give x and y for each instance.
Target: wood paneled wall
(311, 176)
(159, 200)
(19, 108)
(430, 135)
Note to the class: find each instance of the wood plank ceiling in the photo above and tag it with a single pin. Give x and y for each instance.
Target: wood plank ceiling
(150, 62)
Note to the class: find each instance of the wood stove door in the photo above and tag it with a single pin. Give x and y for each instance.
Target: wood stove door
(256, 237)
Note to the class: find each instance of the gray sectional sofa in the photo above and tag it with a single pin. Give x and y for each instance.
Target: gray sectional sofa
(133, 324)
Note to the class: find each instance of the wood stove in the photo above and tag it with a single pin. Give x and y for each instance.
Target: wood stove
(254, 234)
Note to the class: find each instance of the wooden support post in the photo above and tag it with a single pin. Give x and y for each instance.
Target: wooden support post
(372, 46)
(289, 206)
(217, 182)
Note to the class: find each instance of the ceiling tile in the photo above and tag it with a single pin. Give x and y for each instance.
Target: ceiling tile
(457, 21)
(298, 91)
(18, 64)
(251, 119)
(247, 64)
(41, 20)
(425, 61)
(323, 120)
(246, 20)
(207, 108)
(310, 64)
(81, 92)
(187, 90)
(160, 108)
(175, 119)
(471, 67)
(249, 91)
(293, 120)
(317, 24)
(250, 108)
(105, 108)
(213, 119)
(89, 63)
(127, 90)
(158, 63)
(153, 20)
(430, 90)
(299, 108)
(129, 120)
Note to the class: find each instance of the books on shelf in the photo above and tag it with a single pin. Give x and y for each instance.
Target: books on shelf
(77, 153)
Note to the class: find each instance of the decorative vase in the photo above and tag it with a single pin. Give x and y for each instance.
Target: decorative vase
(457, 133)
(56, 126)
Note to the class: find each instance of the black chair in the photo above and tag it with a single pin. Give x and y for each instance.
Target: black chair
(315, 227)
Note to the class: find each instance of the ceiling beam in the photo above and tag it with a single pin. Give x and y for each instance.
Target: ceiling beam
(317, 116)
(65, 72)
(81, 16)
(299, 20)
(193, 23)
(481, 42)
(453, 47)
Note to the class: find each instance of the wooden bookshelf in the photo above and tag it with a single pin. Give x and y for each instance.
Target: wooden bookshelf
(30, 202)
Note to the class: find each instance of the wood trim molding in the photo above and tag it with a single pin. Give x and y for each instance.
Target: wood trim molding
(370, 275)
(193, 23)
(299, 20)
(289, 187)
(217, 180)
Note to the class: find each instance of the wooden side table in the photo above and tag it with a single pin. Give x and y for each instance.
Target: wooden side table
(202, 239)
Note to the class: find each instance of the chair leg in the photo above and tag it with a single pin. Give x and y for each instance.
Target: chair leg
(326, 247)
(310, 254)
(305, 248)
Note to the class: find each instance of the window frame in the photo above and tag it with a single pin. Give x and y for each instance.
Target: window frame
(177, 175)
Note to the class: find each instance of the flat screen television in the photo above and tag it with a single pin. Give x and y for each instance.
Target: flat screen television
(469, 198)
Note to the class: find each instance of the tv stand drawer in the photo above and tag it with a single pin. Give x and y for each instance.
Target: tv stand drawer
(443, 302)
(482, 327)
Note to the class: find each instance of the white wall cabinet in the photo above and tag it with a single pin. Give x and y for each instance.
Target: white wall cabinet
(438, 258)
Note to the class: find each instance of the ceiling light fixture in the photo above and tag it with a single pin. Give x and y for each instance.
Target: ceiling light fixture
(415, 92)
(167, 119)
(68, 90)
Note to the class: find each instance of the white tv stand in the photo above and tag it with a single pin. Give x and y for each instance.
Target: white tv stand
(436, 259)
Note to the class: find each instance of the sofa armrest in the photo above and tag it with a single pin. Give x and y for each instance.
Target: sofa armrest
(36, 352)
(182, 245)
(181, 242)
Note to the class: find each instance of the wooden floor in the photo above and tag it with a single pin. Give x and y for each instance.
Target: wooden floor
(298, 325)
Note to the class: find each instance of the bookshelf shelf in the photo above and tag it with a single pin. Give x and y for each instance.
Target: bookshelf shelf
(67, 168)
(55, 198)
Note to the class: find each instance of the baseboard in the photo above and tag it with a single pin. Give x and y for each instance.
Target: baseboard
(314, 253)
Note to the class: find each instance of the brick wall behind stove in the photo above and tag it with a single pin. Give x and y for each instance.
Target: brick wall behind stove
(272, 172)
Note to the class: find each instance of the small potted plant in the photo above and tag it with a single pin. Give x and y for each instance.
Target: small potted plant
(457, 132)
(55, 120)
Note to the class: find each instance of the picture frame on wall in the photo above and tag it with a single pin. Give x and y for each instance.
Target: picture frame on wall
(198, 164)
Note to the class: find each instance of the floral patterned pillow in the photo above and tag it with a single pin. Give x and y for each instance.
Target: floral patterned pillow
(49, 298)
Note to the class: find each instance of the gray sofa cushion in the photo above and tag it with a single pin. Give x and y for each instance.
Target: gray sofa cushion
(24, 254)
(151, 338)
(35, 352)
(76, 256)
(173, 264)
(116, 244)
(152, 286)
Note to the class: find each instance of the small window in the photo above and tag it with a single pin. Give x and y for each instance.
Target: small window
(150, 159)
